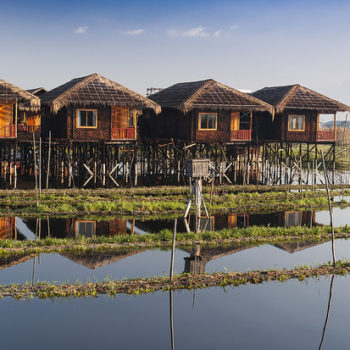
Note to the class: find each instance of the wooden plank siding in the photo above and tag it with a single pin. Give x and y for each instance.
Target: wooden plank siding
(172, 123)
(277, 130)
(64, 124)
(7, 125)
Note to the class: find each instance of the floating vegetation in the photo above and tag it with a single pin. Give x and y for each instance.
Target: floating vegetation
(44, 290)
(144, 201)
(235, 236)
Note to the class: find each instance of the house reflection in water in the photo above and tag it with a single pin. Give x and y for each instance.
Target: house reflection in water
(91, 228)
(295, 247)
(74, 228)
(8, 228)
(230, 221)
(93, 260)
(199, 257)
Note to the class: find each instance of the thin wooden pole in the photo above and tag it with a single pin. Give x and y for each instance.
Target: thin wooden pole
(48, 162)
(40, 160)
(35, 172)
(329, 207)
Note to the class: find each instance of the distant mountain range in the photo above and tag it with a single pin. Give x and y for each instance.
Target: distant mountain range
(340, 124)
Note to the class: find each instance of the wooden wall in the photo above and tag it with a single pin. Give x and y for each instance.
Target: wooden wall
(174, 124)
(102, 132)
(309, 135)
(277, 130)
(57, 123)
(63, 124)
(6, 114)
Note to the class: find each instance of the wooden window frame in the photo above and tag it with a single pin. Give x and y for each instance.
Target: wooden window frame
(199, 121)
(334, 121)
(85, 110)
(304, 122)
(85, 222)
(287, 213)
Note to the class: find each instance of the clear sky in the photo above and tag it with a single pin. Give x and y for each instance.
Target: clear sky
(245, 44)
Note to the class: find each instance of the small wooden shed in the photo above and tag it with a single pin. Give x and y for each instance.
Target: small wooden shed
(204, 111)
(13, 101)
(93, 108)
(300, 115)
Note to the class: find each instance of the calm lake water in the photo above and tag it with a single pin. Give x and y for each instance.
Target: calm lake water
(155, 262)
(274, 315)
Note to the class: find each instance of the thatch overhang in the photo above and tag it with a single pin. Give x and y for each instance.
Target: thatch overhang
(207, 95)
(10, 93)
(95, 89)
(296, 97)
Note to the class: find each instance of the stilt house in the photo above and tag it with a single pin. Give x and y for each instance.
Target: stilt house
(300, 115)
(93, 108)
(204, 111)
(13, 102)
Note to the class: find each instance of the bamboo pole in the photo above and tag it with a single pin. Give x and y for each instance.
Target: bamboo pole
(40, 160)
(35, 172)
(329, 207)
(48, 162)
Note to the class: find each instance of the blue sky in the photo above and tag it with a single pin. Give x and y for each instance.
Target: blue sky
(245, 44)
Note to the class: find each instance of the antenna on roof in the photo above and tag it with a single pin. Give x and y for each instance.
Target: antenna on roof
(152, 90)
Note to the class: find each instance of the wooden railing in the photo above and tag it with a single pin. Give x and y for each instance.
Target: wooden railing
(325, 135)
(241, 135)
(123, 133)
(8, 131)
(28, 128)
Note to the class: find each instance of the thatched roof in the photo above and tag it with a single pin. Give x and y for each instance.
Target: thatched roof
(14, 260)
(93, 260)
(207, 94)
(38, 91)
(95, 90)
(10, 93)
(298, 97)
(297, 246)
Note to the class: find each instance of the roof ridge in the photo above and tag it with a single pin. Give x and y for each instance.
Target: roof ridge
(197, 92)
(245, 95)
(212, 82)
(17, 89)
(74, 87)
(286, 96)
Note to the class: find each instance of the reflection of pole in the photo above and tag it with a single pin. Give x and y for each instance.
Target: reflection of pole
(33, 275)
(329, 206)
(172, 319)
(173, 251)
(328, 311)
(48, 227)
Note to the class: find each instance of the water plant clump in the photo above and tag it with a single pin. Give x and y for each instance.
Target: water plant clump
(160, 200)
(45, 290)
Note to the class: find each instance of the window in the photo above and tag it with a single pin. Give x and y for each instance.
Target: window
(85, 228)
(86, 118)
(296, 123)
(131, 118)
(326, 121)
(207, 121)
